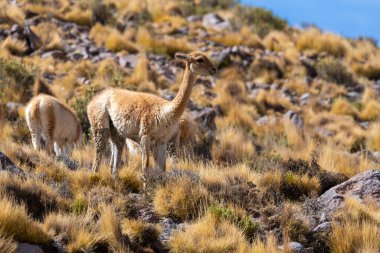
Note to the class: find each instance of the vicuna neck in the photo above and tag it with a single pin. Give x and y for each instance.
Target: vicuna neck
(178, 105)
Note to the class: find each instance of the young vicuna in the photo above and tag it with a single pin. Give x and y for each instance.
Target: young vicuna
(117, 114)
(53, 121)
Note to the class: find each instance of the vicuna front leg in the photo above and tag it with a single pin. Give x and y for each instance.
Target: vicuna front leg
(101, 137)
(36, 140)
(160, 157)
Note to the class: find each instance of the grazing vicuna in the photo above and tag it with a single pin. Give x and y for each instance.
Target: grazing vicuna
(117, 114)
(49, 119)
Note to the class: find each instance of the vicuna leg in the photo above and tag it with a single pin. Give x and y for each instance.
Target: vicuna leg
(145, 143)
(117, 145)
(100, 137)
(173, 149)
(36, 140)
(57, 149)
(160, 157)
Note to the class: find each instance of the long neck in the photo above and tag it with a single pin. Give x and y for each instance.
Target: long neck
(178, 105)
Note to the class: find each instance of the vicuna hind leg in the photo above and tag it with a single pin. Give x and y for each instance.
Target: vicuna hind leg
(117, 145)
(160, 156)
(101, 137)
(36, 140)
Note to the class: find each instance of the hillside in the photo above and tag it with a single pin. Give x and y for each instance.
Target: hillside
(268, 146)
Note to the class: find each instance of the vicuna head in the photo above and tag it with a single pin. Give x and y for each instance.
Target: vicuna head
(199, 63)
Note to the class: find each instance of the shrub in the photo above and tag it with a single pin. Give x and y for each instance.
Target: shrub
(343, 107)
(79, 205)
(244, 222)
(371, 111)
(333, 70)
(262, 21)
(16, 80)
(182, 199)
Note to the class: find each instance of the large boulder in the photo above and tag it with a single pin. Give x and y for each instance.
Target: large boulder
(361, 187)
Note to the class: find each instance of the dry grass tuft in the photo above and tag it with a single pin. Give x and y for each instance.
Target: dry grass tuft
(233, 146)
(270, 246)
(16, 223)
(7, 244)
(313, 39)
(371, 111)
(209, 235)
(140, 232)
(11, 14)
(49, 35)
(343, 107)
(356, 228)
(183, 199)
(13, 46)
(110, 228)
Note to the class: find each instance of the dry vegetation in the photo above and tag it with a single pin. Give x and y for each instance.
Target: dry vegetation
(292, 107)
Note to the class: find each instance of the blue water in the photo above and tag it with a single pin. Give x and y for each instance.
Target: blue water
(351, 18)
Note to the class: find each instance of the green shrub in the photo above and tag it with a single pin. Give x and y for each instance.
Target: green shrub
(245, 223)
(333, 70)
(16, 80)
(261, 20)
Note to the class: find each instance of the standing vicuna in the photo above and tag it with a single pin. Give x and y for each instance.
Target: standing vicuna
(53, 121)
(117, 114)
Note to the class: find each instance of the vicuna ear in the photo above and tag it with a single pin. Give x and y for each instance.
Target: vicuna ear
(181, 56)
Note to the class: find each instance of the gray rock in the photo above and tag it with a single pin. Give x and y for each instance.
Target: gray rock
(28, 248)
(56, 54)
(297, 247)
(6, 164)
(294, 117)
(194, 18)
(213, 20)
(362, 186)
(168, 226)
(129, 61)
(324, 227)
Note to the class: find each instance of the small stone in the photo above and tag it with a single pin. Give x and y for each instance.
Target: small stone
(28, 248)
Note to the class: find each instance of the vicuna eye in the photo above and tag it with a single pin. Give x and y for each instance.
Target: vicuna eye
(200, 60)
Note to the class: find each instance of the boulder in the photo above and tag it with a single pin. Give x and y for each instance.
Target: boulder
(28, 248)
(213, 20)
(6, 164)
(295, 118)
(297, 247)
(361, 187)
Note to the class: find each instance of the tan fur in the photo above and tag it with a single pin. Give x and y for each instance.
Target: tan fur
(147, 119)
(53, 121)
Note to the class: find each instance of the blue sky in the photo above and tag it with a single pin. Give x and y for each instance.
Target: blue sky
(350, 18)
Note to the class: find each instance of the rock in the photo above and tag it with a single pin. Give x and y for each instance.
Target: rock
(362, 186)
(33, 41)
(168, 226)
(205, 118)
(56, 54)
(12, 110)
(294, 117)
(28, 248)
(213, 20)
(324, 227)
(129, 61)
(304, 98)
(194, 18)
(6, 164)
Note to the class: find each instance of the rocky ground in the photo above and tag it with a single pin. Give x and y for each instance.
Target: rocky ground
(279, 153)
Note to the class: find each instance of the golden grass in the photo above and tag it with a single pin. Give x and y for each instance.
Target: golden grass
(16, 223)
(49, 34)
(371, 111)
(7, 244)
(341, 106)
(356, 228)
(139, 231)
(11, 14)
(209, 235)
(313, 39)
(78, 16)
(110, 228)
(233, 146)
(335, 160)
(82, 233)
(117, 42)
(373, 137)
(13, 46)
(183, 199)
(270, 246)
(246, 37)
(277, 41)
